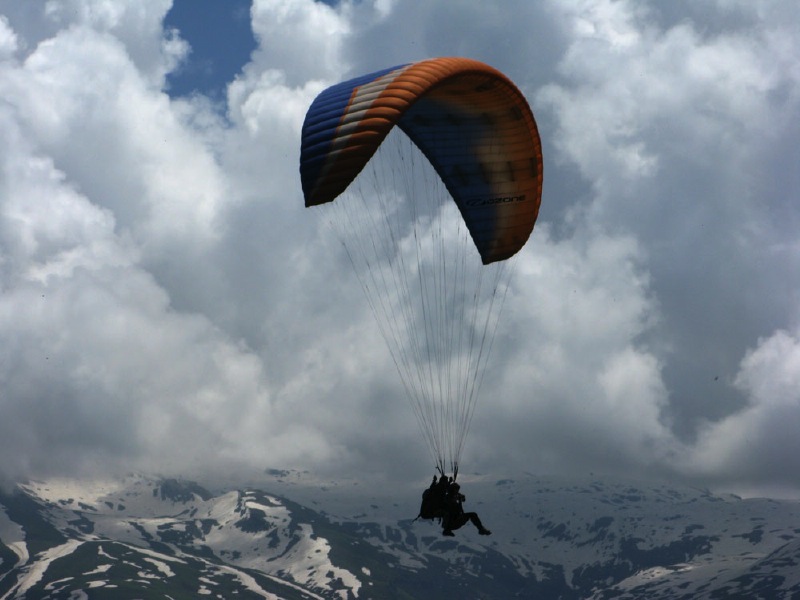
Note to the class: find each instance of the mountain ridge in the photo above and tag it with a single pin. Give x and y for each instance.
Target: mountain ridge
(291, 536)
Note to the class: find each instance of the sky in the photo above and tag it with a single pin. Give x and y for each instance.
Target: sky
(168, 305)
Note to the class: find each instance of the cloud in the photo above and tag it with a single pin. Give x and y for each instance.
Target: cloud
(578, 387)
(168, 303)
(675, 129)
(97, 367)
(101, 184)
(758, 443)
(115, 136)
(8, 39)
(303, 39)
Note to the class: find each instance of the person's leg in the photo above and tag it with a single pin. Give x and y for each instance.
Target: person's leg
(477, 522)
(455, 523)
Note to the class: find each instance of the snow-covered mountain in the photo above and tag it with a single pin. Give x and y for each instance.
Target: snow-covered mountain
(292, 537)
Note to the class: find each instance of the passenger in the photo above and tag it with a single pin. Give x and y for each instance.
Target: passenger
(455, 517)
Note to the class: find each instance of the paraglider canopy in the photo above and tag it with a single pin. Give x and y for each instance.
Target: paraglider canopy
(470, 121)
(475, 190)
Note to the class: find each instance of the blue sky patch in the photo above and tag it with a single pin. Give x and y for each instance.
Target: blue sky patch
(221, 41)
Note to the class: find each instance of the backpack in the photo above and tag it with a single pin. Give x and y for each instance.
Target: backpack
(427, 509)
(433, 503)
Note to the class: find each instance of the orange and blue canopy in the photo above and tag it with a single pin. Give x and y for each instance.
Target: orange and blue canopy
(469, 120)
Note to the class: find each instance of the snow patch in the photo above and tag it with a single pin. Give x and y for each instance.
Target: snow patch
(34, 572)
(99, 570)
(13, 536)
(161, 566)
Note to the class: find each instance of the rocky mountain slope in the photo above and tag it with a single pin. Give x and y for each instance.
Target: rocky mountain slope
(291, 537)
